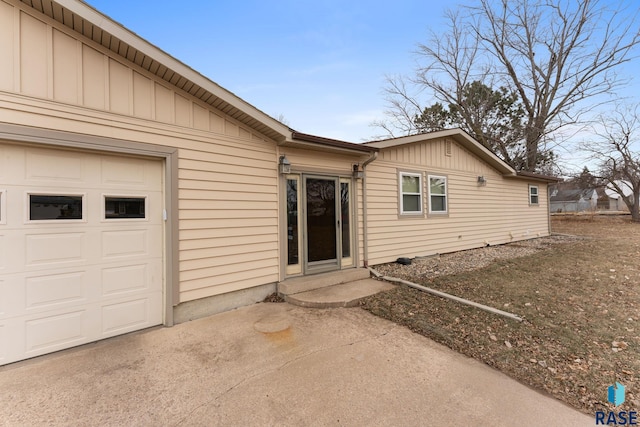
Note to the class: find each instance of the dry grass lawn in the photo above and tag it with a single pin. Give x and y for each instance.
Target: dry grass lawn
(581, 302)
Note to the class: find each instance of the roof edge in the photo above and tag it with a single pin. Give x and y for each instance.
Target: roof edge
(460, 136)
(537, 177)
(329, 142)
(93, 15)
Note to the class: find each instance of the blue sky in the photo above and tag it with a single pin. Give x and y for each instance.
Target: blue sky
(319, 64)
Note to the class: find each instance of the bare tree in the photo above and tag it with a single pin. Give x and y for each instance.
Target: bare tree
(492, 117)
(560, 56)
(617, 149)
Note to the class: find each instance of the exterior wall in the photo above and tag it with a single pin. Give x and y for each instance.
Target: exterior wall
(228, 181)
(618, 205)
(496, 213)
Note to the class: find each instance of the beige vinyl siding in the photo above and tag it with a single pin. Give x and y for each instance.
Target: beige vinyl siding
(309, 160)
(227, 177)
(477, 215)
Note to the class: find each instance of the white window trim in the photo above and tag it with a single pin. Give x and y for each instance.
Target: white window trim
(446, 194)
(419, 194)
(531, 203)
(27, 208)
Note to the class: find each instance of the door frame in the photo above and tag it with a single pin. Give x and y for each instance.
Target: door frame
(324, 265)
(303, 268)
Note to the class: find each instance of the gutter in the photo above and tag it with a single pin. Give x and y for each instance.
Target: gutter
(365, 234)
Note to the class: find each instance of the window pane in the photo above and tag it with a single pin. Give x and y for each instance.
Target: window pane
(292, 221)
(43, 207)
(321, 219)
(410, 203)
(346, 227)
(437, 185)
(533, 195)
(438, 204)
(410, 184)
(124, 207)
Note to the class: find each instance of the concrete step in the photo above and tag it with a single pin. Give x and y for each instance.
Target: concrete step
(300, 284)
(340, 295)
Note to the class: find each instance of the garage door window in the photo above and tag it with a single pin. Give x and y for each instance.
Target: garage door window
(55, 207)
(124, 207)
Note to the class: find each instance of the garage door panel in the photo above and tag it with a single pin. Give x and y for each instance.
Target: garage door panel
(3, 163)
(53, 332)
(12, 162)
(131, 174)
(11, 251)
(131, 279)
(11, 332)
(3, 253)
(128, 315)
(45, 291)
(125, 243)
(53, 166)
(124, 279)
(54, 248)
(48, 291)
(4, 301)
(3, 349)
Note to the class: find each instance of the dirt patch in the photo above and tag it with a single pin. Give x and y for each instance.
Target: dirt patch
(274, 297)
(579, 293)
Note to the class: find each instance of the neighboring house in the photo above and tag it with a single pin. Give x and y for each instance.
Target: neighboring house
(136, 192)
(573, 200)
(616, 203)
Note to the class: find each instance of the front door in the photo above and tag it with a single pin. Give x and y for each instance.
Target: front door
(319, 218)
(322, 222)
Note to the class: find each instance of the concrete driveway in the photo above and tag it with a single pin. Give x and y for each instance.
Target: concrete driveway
(271, 364)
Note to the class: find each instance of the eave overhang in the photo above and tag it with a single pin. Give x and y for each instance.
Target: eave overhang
(90, 23)
(531, 176)
(303, 140)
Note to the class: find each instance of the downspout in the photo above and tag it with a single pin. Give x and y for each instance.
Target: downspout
(365, 239)
(549, 210)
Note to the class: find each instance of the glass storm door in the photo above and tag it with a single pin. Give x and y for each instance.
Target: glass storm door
(322, 223)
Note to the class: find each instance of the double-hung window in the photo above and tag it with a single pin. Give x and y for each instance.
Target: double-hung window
(410, 193)
(438, 194)
(534, 197)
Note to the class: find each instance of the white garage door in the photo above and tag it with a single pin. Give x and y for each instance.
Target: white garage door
(81, 248)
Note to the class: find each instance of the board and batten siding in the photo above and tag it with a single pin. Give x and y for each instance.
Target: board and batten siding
(496, 213)
(53, 78)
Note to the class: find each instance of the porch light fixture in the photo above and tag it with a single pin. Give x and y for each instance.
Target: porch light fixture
(357, 173)
(285, 164)
(482, 181)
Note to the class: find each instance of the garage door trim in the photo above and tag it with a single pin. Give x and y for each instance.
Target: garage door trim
(96, 144)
